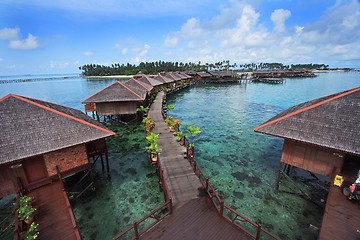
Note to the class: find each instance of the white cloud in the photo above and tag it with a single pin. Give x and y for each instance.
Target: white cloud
(1, 59)
(124, 51)
(28, 43)
(9, 33)
(278, 17)
(171, 41)
(88, 53)
(141, 53)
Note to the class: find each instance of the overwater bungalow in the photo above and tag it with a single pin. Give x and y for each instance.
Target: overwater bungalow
(224, 75)
(116, 99)
(202, 76)
(283, 73)
(41, 143)
(322, 136)
(163, 78)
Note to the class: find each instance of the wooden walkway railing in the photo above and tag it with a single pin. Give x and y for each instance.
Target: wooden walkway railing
(68, 205)
(227, 212)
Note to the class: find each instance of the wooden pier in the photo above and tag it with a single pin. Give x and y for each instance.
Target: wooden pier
(194, 209)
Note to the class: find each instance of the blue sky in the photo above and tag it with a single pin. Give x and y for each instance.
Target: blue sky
(58, 36)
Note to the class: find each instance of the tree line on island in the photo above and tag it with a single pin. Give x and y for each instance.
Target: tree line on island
(162, 66)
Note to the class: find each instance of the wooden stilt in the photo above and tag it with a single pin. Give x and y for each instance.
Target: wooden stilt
(102, 163)
(279, 177)
(107, 165)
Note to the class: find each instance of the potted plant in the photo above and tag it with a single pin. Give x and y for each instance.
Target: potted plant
(192, 131)
(180, 138)
(143, 110)
(25, 211)
(169, 121)
(175, 125)
(32, 233)
(153, 151)
(149, 125)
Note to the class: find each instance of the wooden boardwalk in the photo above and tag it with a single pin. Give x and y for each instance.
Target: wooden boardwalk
(53, 213)
(197, 219)
(341, 218)
(194, 216)
(182, 182)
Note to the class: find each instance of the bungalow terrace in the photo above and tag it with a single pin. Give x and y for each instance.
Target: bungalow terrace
(41, 143)
(116, 99)
(322, 136)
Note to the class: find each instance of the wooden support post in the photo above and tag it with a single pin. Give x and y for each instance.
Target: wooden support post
(136, 230)
(206, 184)
(221, 208)
(279, 177)
(171, 206)
(258, 232)
(102, 163)
(107, 164)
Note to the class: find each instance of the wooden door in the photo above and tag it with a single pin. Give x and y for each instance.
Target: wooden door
(35, 169)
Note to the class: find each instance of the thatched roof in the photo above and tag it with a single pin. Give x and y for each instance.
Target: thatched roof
(138, 87)
(163, 78)
(332, 122)
(150, 81)
(30, 127)
(203, 74)
(115, 92)
(173, 76)
(224, 73)
(183, 75)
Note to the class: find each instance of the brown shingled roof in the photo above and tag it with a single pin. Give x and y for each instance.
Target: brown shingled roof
(331, 121)
(115, 92)
(138, 87)
(149, 80)
(31, 127)
(164, 79)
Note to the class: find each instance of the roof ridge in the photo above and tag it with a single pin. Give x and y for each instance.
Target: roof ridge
(131, 90)
(308, 108)
(61, 113)
(141, 84)
(99, 91)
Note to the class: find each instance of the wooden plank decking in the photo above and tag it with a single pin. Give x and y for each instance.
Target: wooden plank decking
(341, 219)
(194, 216)
(52, 212)
(182, 182)
(197, 219)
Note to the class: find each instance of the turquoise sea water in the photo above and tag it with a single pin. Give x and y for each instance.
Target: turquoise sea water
(240, 163)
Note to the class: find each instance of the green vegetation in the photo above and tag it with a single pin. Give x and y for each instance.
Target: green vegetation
(32, 233)
(149, 125)
(25, 210)
(192, 131)
(161, 66)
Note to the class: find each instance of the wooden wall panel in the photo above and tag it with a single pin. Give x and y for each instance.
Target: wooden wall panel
(313, 158)
(66, 159)
(116, 108)
(6, 184)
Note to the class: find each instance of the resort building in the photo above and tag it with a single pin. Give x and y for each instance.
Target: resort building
(322, 136)
(42, 143)
(202, 76)
(116, 99)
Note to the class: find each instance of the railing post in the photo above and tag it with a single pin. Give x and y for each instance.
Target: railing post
(221, 207)
(171, 206)
(136, 230)
(206, 184)
(258, 232)
(194, 165)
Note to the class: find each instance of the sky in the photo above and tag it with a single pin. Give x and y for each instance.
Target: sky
(58, 36)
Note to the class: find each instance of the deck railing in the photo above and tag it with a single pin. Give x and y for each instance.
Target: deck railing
(251, 228)
(71, 213)
(153, 218)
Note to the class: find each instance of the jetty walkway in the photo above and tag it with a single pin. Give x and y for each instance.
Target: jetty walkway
(193, 209)
(182, 182)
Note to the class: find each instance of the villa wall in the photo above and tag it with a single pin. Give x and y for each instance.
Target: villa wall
(116, 108)
(313, 158)
(66, 159)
